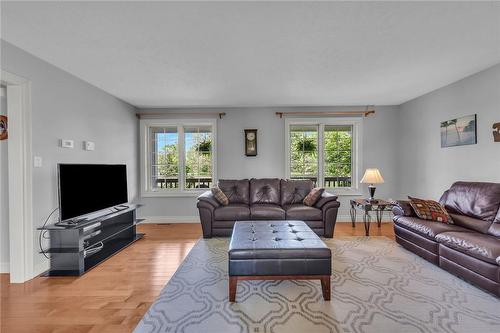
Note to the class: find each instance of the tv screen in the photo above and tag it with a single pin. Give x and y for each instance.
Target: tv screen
(86, 188)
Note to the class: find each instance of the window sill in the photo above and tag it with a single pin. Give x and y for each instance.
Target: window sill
(173, 194)
(344, 192)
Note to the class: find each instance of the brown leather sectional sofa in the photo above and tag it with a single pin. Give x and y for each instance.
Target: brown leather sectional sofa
(469, 248)
(266, 199)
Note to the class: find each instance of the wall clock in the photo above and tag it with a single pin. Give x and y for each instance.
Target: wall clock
(496, 132)
(251, 142)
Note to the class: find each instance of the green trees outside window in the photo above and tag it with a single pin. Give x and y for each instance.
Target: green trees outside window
(304, 152)
(197, 157)
(336, 150)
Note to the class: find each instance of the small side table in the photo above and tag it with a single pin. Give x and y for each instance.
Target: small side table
(378, 206)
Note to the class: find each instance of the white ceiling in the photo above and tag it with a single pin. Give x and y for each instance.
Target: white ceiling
(157, 54)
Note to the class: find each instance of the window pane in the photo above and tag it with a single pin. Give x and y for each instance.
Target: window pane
(198, 155)
(338, 156)
(304, 152)
(164, 158)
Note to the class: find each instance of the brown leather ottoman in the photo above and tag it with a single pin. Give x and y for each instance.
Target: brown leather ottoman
(277, 250)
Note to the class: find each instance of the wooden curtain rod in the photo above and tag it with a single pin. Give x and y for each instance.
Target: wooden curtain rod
(336, 113)
(164, 114)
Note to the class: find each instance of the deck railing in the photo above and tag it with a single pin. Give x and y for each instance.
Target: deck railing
(190, 183)
(206, 182)
(331, 182)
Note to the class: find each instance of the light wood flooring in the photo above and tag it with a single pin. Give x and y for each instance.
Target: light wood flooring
(114, 296)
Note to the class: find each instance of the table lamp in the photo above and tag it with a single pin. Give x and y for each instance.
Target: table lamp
(372, 176)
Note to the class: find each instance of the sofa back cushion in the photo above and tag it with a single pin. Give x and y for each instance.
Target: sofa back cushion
(265, 191)
(478, 200)
(236, 191)
(471, 223)
(294, 191)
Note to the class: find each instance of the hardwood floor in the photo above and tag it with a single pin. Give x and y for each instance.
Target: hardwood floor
(114, 296)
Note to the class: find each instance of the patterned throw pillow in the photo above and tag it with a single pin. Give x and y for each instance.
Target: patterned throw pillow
(220, 196)
(313, 196)
(430, 210)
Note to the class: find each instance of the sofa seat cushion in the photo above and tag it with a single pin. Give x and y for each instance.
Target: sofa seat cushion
(302, 212)
(266, 212)
(426, 228)
(451, 257)
(232, 212)
(480, 246)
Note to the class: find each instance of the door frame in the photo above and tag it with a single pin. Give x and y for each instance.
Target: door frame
(20, 174)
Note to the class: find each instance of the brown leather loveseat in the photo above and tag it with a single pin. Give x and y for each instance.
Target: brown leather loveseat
(469, 248)
(266, 199)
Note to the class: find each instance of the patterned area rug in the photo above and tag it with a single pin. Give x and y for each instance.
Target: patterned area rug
(377, 286)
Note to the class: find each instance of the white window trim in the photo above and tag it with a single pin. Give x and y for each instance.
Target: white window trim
(357, 154)
(145, 152)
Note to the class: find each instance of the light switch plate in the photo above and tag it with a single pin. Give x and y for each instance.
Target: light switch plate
(89, 145)
(37, 162)
(65, 143)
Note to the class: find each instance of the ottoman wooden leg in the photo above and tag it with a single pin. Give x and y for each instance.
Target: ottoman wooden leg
(325, 286)
(233, 283)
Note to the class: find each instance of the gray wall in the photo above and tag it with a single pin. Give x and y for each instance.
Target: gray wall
(379, 146)
(4, 197)
(426, 169)
(64, 106)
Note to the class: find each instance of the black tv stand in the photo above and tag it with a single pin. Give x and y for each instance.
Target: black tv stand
(76, 248)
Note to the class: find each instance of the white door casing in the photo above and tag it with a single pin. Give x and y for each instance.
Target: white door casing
(20, 178)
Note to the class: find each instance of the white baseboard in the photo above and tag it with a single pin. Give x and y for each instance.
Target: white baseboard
(341, 218)
(346, 218)
(4, 267)
(41, 267)
(170, 219)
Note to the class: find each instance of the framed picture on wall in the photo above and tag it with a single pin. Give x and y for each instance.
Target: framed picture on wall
(459, 131)
(251, 142)
(4, 134)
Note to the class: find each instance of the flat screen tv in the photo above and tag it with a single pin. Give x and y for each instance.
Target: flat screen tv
(87, 188)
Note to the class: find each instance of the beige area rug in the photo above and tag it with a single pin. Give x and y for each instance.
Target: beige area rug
(377, 286)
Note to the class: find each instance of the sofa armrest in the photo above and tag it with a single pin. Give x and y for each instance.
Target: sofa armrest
(209, 198)
(206, 211)
(206, 206)
(403, 208)
(326, 198)
(330, 211)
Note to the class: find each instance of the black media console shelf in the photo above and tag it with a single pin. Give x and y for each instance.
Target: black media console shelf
(74, 249)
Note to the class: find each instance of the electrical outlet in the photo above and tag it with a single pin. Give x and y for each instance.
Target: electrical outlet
(89, 145)
(37, 161)
(65, 143)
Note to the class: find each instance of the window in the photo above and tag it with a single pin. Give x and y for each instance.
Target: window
(178, 156)
(198, 157)
(337, 156)
(304, 152)
(325, 151)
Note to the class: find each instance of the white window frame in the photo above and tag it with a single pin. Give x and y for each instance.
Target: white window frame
(145, 153)
(357, 149)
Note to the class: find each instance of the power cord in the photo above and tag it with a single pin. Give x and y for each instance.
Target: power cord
(43, 233)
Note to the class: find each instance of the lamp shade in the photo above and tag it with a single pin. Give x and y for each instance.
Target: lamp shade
(372, 176)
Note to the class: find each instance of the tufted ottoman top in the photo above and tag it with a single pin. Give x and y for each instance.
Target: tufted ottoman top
(275, 240)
